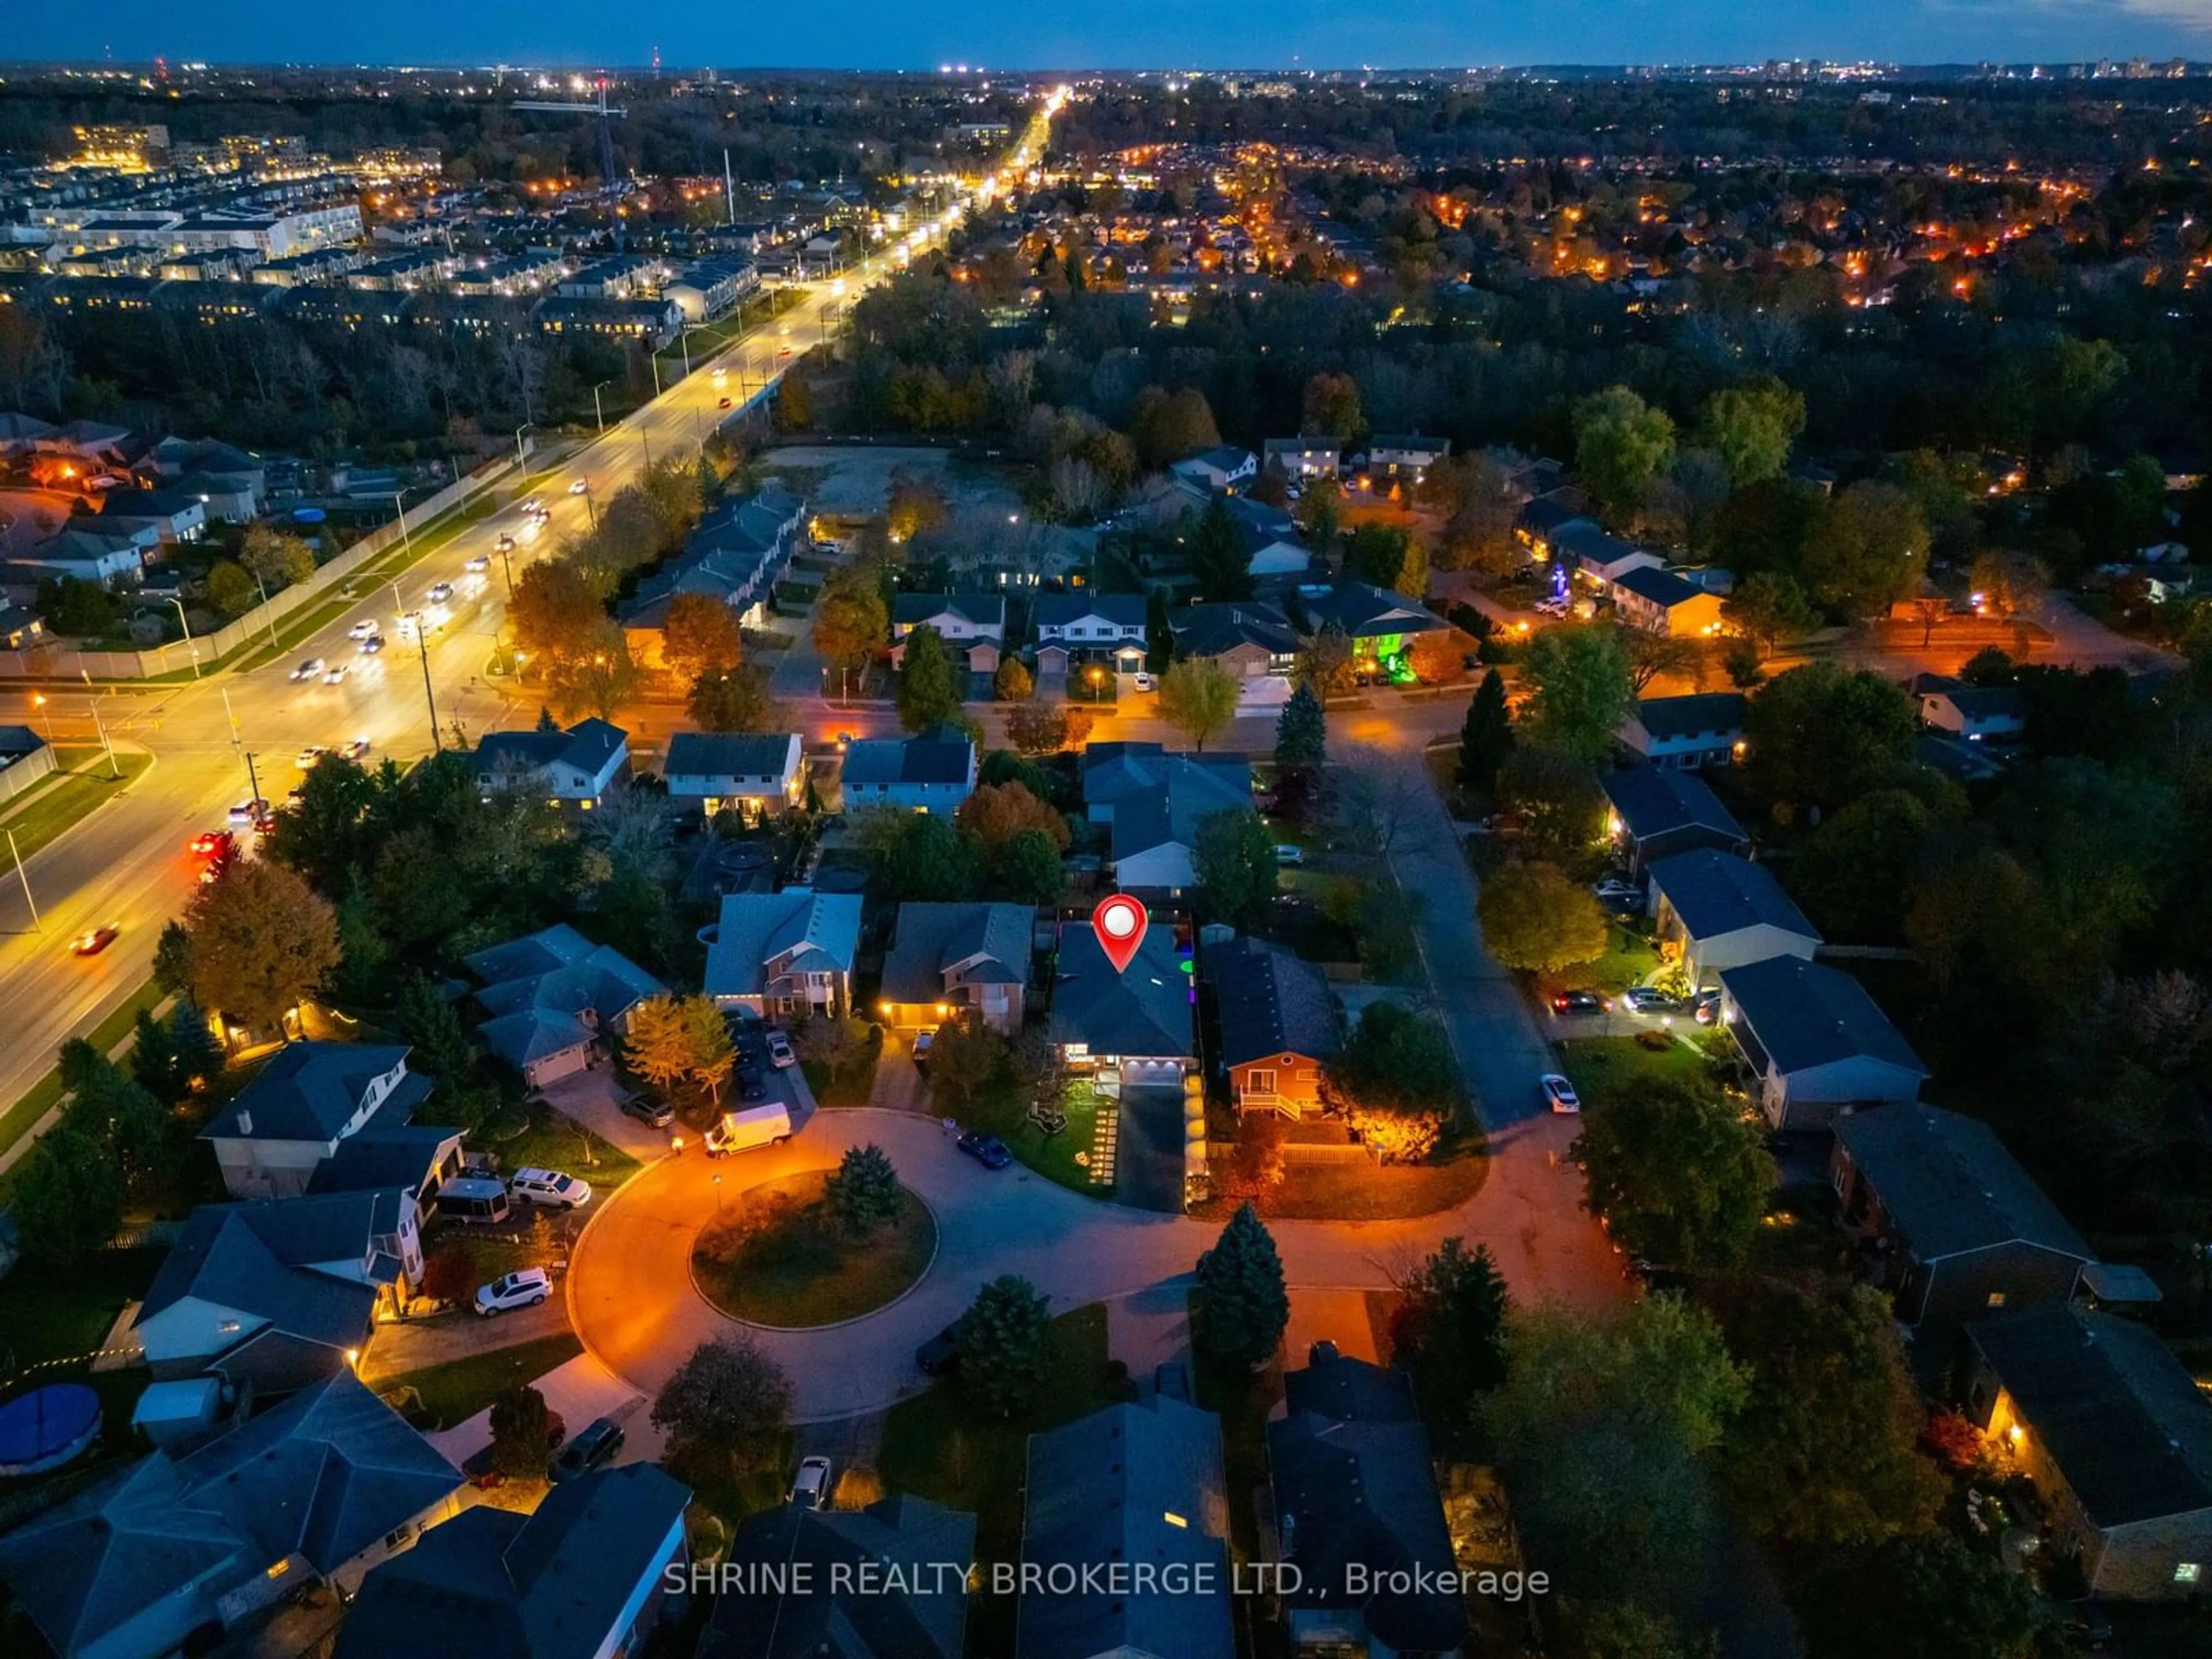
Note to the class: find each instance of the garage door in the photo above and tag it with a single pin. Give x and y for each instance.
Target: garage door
(1138, 1073)
(552, 1067)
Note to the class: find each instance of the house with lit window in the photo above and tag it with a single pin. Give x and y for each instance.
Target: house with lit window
(1279, 1025)
(1129, 1027)
(1405, 454)
(1378, 622)
(949, 960)
(1153, 802)
(1071, 626)
(315, 1104)
(1250, 638)
(182, 1546)
(1301, 459)
(973, 624)
(1687, 733)
(1598, 560)
(553, 1000)
(2117, 1436)
(576, 768)
(930, 772)
(757, 776)
(1715, 910)
(1225, 467)
(1979, 713)
(1653, 814)
(785, 954)
(1660, 602)
(1956, 1228)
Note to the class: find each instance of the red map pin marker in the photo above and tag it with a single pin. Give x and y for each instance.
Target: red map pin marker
(1120, 923)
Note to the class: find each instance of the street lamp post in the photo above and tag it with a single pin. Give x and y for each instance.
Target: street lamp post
(253, 782)
(38, 701)
(596, 413)
(654, 358)
(263, 586)
(114, 766)
(185, 622)
(406, 540)
(430, 695)
(521, 457)
(505, 564)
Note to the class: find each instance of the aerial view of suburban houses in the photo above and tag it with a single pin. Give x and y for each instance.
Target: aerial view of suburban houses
(960, 861)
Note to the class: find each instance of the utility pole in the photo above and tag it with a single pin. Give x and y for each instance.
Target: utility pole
(114, 766)
(185, 622)
(252, 783)
(729, 188)
(26, 880)
(521, 458)
(423, 648)
(263, 586)
(406, 541)
(507, 566)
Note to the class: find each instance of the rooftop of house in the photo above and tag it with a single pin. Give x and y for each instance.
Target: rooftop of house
(1210, 631)
(915, 1615)
(1651, 800)
(590, 746)
(1719, 712)
(1354, 1485)
(731, 754)
(1804, 1015)
(556, 970)
(1949, 1183)
(1223, 458)
(1976, 703)
(1409, 442)
(2120, 1417)
(1366, 611)
(977, 610)
(263, 1259)
(1140, 1482)
(1059, 610)
(1661, 588)
(322, 1476)
(1143, 1011)
(811, 932)
(1271, 1002)
(310, 1091)
(17, 741)
(1159, 797)
(554, 1583)
(1546, 515)
(1592, 546)
(946, 755)
(928, 939)
(1717, 893)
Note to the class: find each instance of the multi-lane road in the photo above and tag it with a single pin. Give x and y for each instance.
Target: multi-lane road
(127, 863)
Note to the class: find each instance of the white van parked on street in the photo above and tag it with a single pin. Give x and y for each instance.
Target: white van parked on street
(742, 1130)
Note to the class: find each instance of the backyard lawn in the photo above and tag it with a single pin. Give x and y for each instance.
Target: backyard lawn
(51, 1314)
(452, 1393)
(550, 1141)
(936, 1445)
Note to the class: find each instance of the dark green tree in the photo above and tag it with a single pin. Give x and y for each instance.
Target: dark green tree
(154, 1060)
(1825, 733)
(1486, 737)
(1449, 1327)
(863, 1191)
(69, 1195)
(1235, 861)
(929, 684)
(1377, 553)
(199, 1057)
(1241, 1306)
(1159, 632)
(442, 1047)
(735, 700)
(1028, 868)
(1302, 733)
(1397, 1082)
(1581, 689)
(521, 1433)
(726, 1412)
(1218, 557)
(932, 861)
(1004, 1340)
(1921, 1596)
(1676, 1171)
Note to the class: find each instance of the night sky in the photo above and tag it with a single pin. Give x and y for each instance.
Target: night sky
(1133, 33)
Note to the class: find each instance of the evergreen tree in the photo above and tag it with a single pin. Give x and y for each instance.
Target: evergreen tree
(1242, 1304)
(1159, 633)
(1004, 1342)
(929, 685)
(154, 1060)
(69, 1195)
(1487, 738)
(521, 1432)
(864, 1191)
(1302, 733)
(1218, 558)
(199, 1057)
(440, 1042)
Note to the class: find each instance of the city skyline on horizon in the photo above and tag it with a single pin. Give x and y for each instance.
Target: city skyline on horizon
(1297, 34)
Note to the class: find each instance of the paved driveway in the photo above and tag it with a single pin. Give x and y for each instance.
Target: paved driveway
(593, 1098)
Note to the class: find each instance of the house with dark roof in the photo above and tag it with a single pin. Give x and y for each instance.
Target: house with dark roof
(1303, 457)
(787, 953)
(1959, 1228)
(1977, 714)
(755, 775)
(1716, 911)
(575, 767)
(1152, 802)
(307, 1100)
(1813, 1042)
(585, 1575)
(1125, 1029)
(1541, 518)
(320, 1489)
(1357, 1512)
(1395, 455)
(1250, 638)
(552, 997)
(973, 624)
(736, 555)
(24, 757)
(888, 1582)
(2115, 1435)
(1654, 814)
(1279, 1025)
(1141, 1483)
(279, 1293)
(1223, 467)
(1688, 732)
(1376, 621)
(1071, 627)
(948, 960)
(1597, 560)
(1660, 602)
(929, 772)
